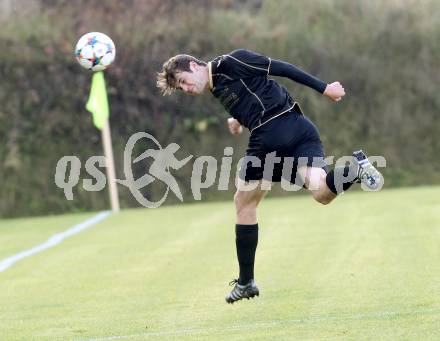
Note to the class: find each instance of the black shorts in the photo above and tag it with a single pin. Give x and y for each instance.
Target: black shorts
(293, 138)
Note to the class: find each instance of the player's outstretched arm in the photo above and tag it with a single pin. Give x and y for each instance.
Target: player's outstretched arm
(283, 69)
(334, 91)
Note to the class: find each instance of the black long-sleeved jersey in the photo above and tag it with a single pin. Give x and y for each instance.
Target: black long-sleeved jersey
(240, 81)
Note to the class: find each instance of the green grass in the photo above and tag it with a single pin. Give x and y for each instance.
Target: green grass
(21, 234)
(366, 267)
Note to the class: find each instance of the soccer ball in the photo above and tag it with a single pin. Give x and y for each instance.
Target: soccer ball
(95, 51)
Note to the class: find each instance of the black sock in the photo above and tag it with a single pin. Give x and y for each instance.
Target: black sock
(341, 178)
(246, 240)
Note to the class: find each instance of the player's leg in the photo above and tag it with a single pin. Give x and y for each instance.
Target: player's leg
(341, 178)
(246, 230)
(314, 179)
(325, 186)
(357, 170)
(246, 203)
(246, 240)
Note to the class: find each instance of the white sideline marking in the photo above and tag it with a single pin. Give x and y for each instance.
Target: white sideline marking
(271, 323)
(52, 241)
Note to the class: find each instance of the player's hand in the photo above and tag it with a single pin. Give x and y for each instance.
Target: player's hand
(234, 126)
(334, 91)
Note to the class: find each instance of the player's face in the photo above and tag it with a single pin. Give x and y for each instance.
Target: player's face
(192, 83)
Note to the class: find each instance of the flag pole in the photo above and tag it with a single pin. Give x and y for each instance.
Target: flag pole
(98, 106)
(110, 163)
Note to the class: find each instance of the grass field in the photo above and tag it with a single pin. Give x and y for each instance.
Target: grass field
(366, 267)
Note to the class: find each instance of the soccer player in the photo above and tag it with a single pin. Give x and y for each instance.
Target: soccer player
(240, 80)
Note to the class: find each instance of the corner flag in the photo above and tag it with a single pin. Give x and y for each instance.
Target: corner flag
(98, 103)
(98, 106)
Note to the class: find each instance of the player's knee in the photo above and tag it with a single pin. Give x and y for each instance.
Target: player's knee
(322, 198)
(246, 214)
(324, 201)
(241, 206)
(237, 199)
(245, 211)
(244, 202)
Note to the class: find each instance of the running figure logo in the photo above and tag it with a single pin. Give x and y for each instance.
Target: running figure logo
(163, 160)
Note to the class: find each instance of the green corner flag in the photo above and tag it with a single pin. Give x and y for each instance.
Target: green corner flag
(98, 103)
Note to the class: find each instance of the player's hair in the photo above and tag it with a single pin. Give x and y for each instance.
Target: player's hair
(167, 78)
